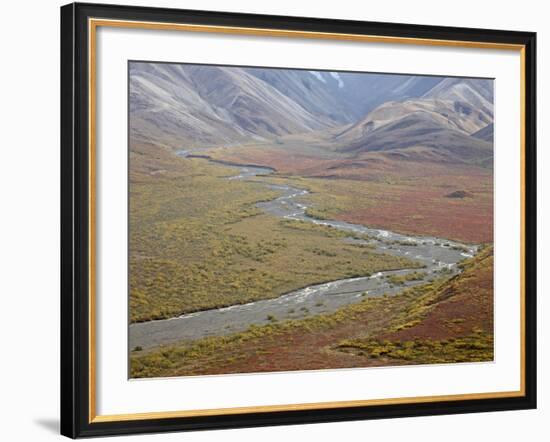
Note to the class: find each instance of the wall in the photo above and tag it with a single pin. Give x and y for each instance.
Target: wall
(29, 186)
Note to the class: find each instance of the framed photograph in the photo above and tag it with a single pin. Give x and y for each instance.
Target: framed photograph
(274, 220)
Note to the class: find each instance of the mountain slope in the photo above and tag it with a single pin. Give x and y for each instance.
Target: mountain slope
(439, 124)
(366, 92)
(313, 91)
(343, 96)
(176, 105)
(475, 96)
(199, 105)
(477, 92)
(485, 133)
(434, 118)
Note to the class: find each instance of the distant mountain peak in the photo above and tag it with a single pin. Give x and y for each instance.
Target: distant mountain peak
(177, 105)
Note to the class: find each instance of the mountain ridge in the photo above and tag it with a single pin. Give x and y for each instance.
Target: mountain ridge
(178, 105)
(443, 120)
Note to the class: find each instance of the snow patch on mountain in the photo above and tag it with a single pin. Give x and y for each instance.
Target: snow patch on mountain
(337, 77)
(317, 75)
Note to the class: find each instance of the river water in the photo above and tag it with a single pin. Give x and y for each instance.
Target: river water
(435, 253)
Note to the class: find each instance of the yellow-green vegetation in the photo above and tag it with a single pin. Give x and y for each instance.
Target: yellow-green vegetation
(330, 198)
(392, 201)
(443, 302)
(402, 243)
(172, 360)
(472, 286)
(460, 248)
(325, 229)
(477, 346)
(167, 360)
(369, 329)
(197, 241)
(402, 279)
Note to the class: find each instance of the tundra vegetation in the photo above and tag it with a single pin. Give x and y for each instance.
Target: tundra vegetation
(385, 194)
(409, 154)
(197, 241)
(446, 320)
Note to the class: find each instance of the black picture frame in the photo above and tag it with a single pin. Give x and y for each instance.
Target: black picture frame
(75, 221)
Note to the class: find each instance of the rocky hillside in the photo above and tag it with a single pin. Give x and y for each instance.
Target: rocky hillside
(444, 124)
(198, 105)
(181, 106)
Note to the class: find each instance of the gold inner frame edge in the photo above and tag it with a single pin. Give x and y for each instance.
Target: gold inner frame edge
(93, 24)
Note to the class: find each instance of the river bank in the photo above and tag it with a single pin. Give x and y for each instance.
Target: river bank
(436, 255)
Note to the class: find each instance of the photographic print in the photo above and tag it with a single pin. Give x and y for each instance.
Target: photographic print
(292, 219)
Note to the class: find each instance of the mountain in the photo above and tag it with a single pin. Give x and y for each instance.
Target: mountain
(485, 133)
(343, 97)
(366, 92)
(177, 105)
(199, 105)
(476, 92)
(439, 124)
(314, 91)
(431, 138)
(437, 118)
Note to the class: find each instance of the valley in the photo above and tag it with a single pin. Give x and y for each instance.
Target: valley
(291, 219)
(433, 255)
(447, 320)
(200, 240)
(384, 191)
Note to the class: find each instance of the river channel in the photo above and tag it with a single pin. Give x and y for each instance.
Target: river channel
(435, 253)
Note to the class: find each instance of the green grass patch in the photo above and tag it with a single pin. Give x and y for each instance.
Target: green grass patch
(329, 231)
(197, 242)
(475, 347)
(402, 279)
(169, 360)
